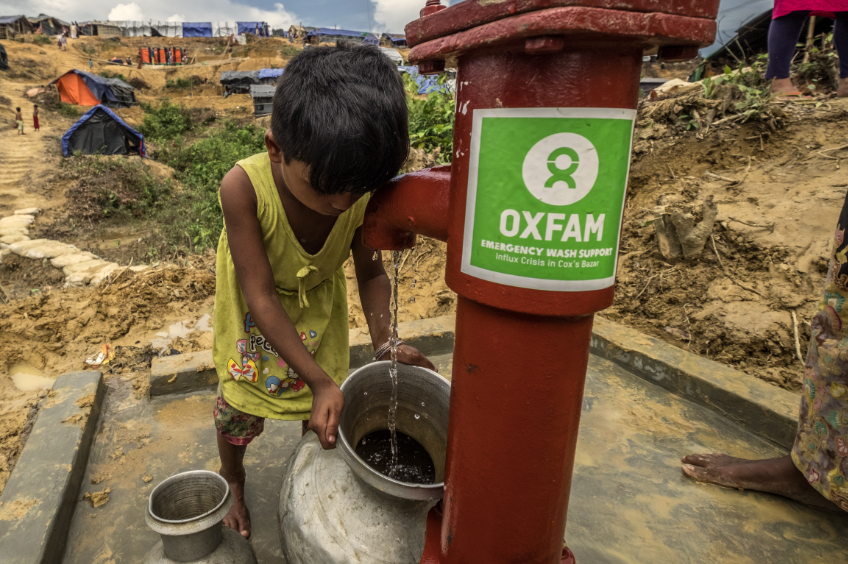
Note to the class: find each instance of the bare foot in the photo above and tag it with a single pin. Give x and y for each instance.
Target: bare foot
(843, 88)
(782, 86)
(778, 476)
(712, 460)
(238, 518)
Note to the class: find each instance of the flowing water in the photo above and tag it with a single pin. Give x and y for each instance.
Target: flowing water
(393, 467)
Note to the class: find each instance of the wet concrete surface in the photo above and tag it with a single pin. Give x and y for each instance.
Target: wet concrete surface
(629, 502)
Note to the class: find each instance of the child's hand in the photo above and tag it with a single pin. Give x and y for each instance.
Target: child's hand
(327, 403)
(410, 355)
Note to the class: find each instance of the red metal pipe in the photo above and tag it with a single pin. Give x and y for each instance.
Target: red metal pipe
(522, 347)
(415, 203)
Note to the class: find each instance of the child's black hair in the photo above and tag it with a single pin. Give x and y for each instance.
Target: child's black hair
(342, 111)
(17, 109)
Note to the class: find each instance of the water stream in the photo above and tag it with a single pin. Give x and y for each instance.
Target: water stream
(396, 255)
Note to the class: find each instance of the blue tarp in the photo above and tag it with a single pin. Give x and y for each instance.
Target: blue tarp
(66, 137)
(197, 29)
(367, 38)
(270, 73)
(250, 27)
(426, 84)
(733, 15)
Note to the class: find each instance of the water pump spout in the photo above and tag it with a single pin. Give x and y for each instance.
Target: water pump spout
(413, 204)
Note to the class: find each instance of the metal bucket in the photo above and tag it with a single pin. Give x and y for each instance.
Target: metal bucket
(422, 413)
(187, 511)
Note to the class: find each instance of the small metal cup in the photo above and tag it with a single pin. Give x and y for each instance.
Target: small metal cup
(422, 393)
(187, 510)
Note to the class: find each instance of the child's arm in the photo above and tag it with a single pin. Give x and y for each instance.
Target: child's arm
(253, 270)
(375, 293)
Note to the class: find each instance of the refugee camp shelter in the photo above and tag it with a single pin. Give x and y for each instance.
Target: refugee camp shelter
(4, 59)
(393, 40)
(14, 26)
(166, 29)
(238, 81)
(101, 131)
(270, 76)
(392, 54)
(104, 29)
(85, 89)
(262, 95)
(733, 16)
(300, 31)
(329, 35)
(197, 29)
(49, 24)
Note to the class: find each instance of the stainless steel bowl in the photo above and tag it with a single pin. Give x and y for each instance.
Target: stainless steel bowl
(422, 413)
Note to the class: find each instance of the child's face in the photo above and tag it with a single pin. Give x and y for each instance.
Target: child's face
(296, 177)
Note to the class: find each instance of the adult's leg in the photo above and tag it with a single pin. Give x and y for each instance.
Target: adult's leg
(783, 37)
(840, 39)
(778, 476)
(232, 469)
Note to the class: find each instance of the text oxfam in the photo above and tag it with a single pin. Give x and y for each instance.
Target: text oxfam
(545, 226)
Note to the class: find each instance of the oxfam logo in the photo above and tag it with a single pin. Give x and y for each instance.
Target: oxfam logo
(561, 169)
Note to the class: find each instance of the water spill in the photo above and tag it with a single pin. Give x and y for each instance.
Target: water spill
(27, 378)
(180, 329)
(393, 367)
(413, 466)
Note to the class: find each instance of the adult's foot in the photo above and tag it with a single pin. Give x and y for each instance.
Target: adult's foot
(843, 88)
(238, 518)
(778, 476)
(783, 87)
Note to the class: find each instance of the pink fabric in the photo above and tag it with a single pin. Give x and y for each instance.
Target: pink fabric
(818, 7)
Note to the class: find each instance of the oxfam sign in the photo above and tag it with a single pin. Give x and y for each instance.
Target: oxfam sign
(545, 196)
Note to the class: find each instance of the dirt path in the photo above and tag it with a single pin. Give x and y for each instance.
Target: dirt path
(21, 155)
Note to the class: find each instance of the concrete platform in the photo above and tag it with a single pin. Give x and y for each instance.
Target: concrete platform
(630, 502)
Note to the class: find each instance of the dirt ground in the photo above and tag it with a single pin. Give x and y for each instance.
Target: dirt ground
(778, 187)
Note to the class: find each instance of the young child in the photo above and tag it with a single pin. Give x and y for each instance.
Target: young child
(19, 120)
(292, 216)
(35, 118)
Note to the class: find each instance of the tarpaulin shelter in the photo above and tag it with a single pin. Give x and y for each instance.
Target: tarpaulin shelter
(49, 24)
(85, 89)
(105, 29)
(250, 27)
(270, 76)
(238, 81)
(328, 35)
(167, 29)
(197, 29)
(733, 15)
(263, 96)
(393, 40)
(224, 29)
(426, 84)
(135, 29)
(4, 59)
(101, 131)
(393, 55)
(12, 26)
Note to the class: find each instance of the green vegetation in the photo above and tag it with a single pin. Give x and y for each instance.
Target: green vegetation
(288, 50)
(68, 110)
(166, 121)
(112, 187)
(179, 84)
(41, 39)
(430, 119)
(107, 74)
(196, 215)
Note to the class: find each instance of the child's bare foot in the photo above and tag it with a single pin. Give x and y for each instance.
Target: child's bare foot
(238, 518)
(778, 476)
(783, 87)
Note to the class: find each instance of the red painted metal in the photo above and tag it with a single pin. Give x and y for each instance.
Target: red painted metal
(520, 355)
(473, 13)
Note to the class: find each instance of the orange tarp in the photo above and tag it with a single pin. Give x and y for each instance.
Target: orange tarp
(73, 90)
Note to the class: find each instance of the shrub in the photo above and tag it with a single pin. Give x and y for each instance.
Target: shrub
(107, 74)
(167, 121)
(179, 84)
(201, 167)
(138, 83)
(289, 50)
(431, 120)
(68, 110)
(41, 39)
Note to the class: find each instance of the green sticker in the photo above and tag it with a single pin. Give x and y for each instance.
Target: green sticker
(545, 196)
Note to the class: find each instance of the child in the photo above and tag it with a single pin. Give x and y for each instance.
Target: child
(19, 119)
(292, 216)
(35, 117)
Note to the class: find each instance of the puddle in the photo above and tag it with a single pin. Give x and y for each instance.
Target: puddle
(27, 378)
(180, 329)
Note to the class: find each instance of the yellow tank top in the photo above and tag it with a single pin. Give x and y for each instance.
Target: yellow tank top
(311, 288)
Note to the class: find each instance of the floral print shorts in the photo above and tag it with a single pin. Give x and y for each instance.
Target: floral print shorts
(237, 427)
